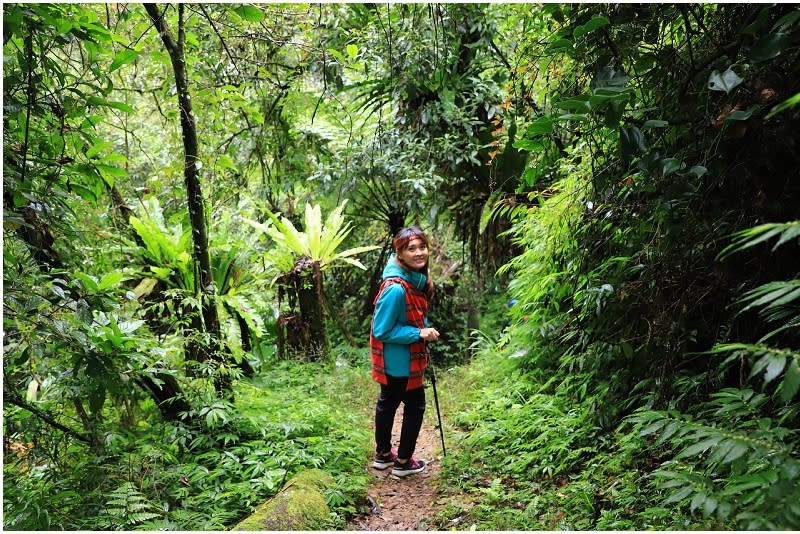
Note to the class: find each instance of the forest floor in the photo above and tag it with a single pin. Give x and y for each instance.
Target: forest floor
(412, 502)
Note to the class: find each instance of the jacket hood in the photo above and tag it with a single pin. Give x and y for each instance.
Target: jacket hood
(394, 269)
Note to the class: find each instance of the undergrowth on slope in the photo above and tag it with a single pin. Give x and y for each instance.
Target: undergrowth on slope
(528, 460)
(169, 476)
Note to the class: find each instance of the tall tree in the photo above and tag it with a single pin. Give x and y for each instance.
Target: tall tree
(208, 320)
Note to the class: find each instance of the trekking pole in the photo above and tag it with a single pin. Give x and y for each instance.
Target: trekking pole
(436, 402)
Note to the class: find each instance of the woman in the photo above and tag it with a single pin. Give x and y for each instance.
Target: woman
(399, 352)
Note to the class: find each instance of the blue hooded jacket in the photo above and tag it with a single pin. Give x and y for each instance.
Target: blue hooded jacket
(389, 323)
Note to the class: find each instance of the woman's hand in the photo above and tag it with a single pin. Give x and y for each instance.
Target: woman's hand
(429, 334)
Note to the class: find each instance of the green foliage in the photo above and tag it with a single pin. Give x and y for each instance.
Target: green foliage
(605, 153)
(167, 250)
(743, 468)
(530, 460)
(318, 242)
(172, 476)
(126, 508)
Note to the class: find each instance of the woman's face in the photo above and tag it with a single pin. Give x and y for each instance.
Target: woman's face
(415, 255)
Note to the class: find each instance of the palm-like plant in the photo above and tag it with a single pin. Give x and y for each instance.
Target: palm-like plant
(298, 261)
(318, 243)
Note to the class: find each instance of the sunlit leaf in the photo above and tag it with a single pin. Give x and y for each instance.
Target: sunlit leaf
(724, 81)
(123, 57)
(249, 13)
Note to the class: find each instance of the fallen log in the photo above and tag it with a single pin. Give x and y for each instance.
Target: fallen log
(300, 505)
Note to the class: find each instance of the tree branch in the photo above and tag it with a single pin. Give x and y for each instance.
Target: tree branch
(221, 40)
(16, 400)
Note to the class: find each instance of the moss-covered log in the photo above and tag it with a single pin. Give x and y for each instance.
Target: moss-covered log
(300, 505)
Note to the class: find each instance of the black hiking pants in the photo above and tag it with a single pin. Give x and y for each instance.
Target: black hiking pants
(389, 400)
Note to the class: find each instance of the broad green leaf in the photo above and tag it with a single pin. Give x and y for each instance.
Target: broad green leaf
(757, 234)
(597, 21)
(736, 451)
(653, 427)
(632, 141)
(610, 94)
(573, 104)
(698, 500)
(757, 25)
(530, 145)
(249, 13)
(110, 279)
(338, 55)
(357, 250)
(791, 381)
(355, 263)
(109, 173)
(679, 495)
(772, 294)
(84, 192)
(697, 448)
(558, 46)
(668, 432)
(90, 121)
(123, 57)
(97, 148)
(263, 228)
(742, 115)
(88, 281)
(162, 273)
(726, 81)
(670, 165)
(352, 51)
(774, 368)
(720, 451)
(97, 101)
(768, 47)
(698, 171)
(541, 126)
(787, 21)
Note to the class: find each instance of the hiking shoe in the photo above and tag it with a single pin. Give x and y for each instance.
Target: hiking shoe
(408, 468)
(382, 461)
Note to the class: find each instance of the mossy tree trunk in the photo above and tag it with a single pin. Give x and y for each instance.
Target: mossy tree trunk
(305, 334)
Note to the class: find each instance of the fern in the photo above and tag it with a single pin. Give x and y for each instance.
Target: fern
(751, 237)
(319, 242)
(770, 363)
(167, 251)
(126, 507)
(733, 471)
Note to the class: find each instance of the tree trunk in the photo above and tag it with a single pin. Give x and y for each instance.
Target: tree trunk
(305, 336)
(167, 394)
(208, 321)
(309, 296)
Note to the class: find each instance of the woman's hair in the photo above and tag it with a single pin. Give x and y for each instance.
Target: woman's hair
(401, 241)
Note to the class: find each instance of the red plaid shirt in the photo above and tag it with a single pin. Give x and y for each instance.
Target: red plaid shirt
(416, 308)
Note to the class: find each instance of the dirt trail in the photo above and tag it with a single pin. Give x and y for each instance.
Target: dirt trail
(411, 502)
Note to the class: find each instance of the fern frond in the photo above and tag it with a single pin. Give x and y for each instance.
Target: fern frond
(751, 237)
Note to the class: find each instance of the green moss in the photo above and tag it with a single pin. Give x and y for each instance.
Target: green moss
(300, 505)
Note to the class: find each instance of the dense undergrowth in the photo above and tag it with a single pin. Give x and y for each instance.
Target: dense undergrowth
(162, 476)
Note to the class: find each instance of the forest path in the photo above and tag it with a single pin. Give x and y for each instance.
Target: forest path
(408, 503)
